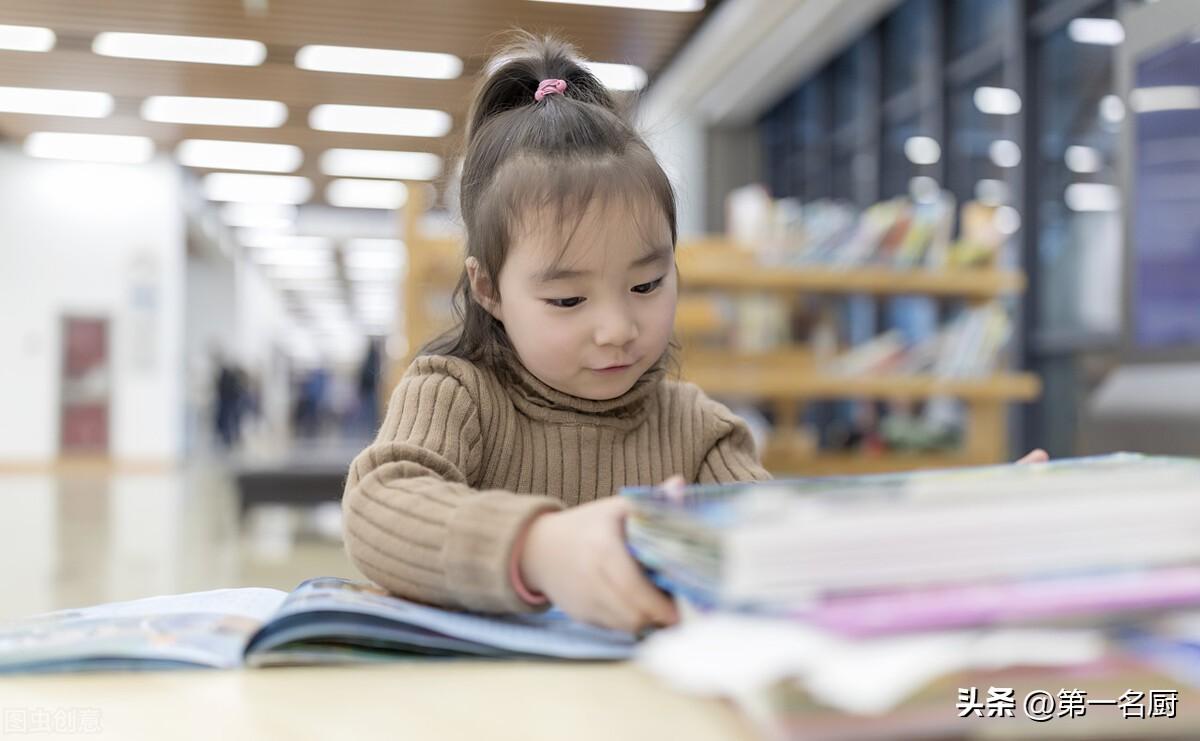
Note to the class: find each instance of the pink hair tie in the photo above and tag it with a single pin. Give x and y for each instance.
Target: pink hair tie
(550, 87)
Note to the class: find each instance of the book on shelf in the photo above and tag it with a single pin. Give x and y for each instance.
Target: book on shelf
(969, 345)
(325, 620)
(901, 233)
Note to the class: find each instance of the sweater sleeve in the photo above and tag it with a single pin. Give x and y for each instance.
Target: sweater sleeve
(733, 457)
(412, 522)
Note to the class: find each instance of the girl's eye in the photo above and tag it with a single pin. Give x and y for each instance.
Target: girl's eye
(648, 287)
(565, 303)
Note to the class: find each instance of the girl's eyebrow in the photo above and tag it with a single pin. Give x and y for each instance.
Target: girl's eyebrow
(657, 253)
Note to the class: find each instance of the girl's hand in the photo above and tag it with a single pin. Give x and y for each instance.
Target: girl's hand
(578, 559)
(1036, 455)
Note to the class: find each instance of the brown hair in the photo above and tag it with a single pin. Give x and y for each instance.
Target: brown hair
(550, 156)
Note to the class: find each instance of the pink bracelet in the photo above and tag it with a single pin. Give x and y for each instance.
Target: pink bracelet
(514, 571)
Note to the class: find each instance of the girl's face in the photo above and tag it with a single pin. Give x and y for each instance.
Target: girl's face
(610, 300)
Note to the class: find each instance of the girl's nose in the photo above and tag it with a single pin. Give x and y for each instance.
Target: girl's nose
(618, 328)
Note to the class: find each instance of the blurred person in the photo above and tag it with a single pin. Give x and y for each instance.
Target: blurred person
(310, 402)
(366, 414)
(229, 393)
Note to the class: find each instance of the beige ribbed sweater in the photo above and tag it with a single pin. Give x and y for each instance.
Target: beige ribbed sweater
(462, 463)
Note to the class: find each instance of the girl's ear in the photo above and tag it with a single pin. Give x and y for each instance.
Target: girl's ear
(483, 289)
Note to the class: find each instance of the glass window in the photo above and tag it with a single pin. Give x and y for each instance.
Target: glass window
(903, 142)
(983, 153)
(973, 23)
(774, 141)
(795, 133)
(816, 119)
(1079, 248)
(908, 45)
(815, 109)
(849, 84)
(844, 185)
(818, 171)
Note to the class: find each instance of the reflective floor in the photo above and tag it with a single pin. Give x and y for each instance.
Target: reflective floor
(76, 538)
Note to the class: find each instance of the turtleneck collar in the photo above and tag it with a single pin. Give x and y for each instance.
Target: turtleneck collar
(542, 401)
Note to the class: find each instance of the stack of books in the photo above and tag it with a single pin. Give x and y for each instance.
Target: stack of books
(908, 578)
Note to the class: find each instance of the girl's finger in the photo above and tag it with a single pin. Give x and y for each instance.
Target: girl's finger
(673, 487)
(635, 589)
(1035, 456)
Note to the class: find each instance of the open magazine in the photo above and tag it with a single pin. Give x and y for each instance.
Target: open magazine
(323, 621)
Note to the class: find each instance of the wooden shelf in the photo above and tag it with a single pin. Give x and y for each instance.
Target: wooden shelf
(964, 283)
(780, 381)
(724, 265)
(782, 462)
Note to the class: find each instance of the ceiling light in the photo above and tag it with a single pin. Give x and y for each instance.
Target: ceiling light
(999, 101)
(387, 194)
(618, 76)
(374, 260)
(26, 38)
(40, 101)
(214, 111)
(1004, 153)
(89, 147)
(1083, 159)
(198, 49)
(266, 240)
(236, 186)
(383, 275)
(674, 6)
(922, 150)
(924, 189)
(373, 163)
(1165, 98)
(259, 215)
(1007, 220)
(374, 286)
(1104, 31)
(301, 272)
(302, 290)
(1092, 197)
(991, 191)
(293, 257)
(365, 119)
(389, 62)
(378, 261)
(1112, 108)
(230, 155)
(371, 290)
(377, 301)
(374, 243)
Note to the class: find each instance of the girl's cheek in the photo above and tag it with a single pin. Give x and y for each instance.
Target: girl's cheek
(557, 329)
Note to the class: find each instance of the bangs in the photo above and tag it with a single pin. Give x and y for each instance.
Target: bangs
(559, 191)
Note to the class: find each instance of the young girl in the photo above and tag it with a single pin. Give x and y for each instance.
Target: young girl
(489, 486)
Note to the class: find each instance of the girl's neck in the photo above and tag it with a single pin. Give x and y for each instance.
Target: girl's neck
(540, 400)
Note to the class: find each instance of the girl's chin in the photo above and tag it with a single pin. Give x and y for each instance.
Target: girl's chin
(602, 386)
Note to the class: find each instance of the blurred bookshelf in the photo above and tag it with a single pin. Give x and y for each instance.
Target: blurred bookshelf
(785, 371)
(896, 316)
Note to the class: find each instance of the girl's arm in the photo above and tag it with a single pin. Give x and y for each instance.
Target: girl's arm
(734, 456)
(412, 522)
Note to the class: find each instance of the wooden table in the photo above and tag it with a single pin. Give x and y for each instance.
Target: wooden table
(417, 700)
